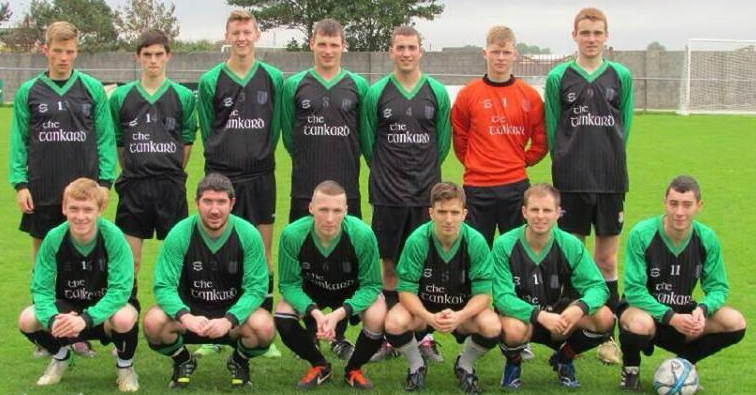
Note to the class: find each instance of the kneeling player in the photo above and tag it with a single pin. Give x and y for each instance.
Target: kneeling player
(329, 259)
(666, 256)
(445, 283)
(210, 280)
(82, 282)
(548, 290)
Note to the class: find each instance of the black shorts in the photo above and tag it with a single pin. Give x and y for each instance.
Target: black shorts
(300, 207)
(604, 210)
(489, 208)
(96, 332)
(256, 199)
(150, 205)
(42, 220)
(392, 226)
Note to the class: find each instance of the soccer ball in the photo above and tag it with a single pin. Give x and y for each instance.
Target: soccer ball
(676, 376)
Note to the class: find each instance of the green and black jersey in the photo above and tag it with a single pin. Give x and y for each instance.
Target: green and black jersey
(320, 126)
(240, 120)
(526, 283)
(347, 272)
(58, 134)
(96, 278)
(152, 129)
(406, 136)
(660, 277)
(588, 119)
(445, 279)
(214, 278)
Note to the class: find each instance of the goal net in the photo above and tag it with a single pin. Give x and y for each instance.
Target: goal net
(719, 77)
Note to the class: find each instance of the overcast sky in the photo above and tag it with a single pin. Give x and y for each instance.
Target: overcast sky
(632, 24)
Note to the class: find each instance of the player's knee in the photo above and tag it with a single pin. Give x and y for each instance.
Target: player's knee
(489, 324)
(154, 322)
(638, 322)
(603, 319)
(27, 320)
(261, 324)
(514, 332)
(732, 320)
(123, 320)
(284, 308)
(397, 322)
(375, 316)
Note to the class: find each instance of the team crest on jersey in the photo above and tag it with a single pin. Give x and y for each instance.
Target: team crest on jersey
(346, 104)
(610, 94)
(571, 97)
(170, 123)
(387, 113)
(262, 97)
(525, 104)
(228, 102)
(409, 111)
(445, 277)
(326, 101)
(554, 281)
(233, 267)
(487, 103)
(242, 97)
(86, 108)
(346, 266)
(306, 104)
(429, 112)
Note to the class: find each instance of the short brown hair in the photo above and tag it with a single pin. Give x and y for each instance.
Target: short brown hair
(592, 14)
(61, 31)
(240, 16)
(328, 27)
(215, 182)
(84, 189)
(330, 188)
(684, 184)
(500, 35)
(447, 191)
(151, 37)
(540, 190)
(406, 30)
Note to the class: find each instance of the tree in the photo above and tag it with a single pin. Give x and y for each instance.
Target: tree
(23, 37)
(5, 12)
(93, 18)
(655, 46)
(140, 15)
(525, 49)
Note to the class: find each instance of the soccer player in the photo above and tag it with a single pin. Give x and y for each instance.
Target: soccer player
(445, 278)
(406, 137)
(82, 287)
(239, 117)
(589, 110)
(493, 119)
(210, 281)
(61, 130)
(155, 124)
(665, 258)
(330, 260)
(547, 290)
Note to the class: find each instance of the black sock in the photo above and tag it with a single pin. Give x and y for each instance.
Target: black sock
(399, 341)
(294, 336)
(368, 344)
(176, 350)
(341, 328)
(580, 341)
(631, 345)
(512, 354)
(45, 340)
(710, 344)
(392, 298)
(613, 300)
(267, 303)
(126, 343)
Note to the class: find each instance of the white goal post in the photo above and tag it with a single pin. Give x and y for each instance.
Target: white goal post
(719, 77)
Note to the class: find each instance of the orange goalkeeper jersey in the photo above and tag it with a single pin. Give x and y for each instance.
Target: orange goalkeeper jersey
(492, 125)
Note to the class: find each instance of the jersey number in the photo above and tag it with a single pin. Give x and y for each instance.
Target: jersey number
(675, 270)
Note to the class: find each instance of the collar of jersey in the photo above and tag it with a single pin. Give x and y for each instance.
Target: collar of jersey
(86, 249)
(215, 245)
(590, 77)
(446, 255)
(537, 259)
(241, 81)
(155, 96)
(675, 250)
(323, 250)
(328, 84)
(409, 95)
(60, 90)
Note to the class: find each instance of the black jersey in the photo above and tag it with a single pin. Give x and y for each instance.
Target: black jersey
(445, 284)
(332, 278)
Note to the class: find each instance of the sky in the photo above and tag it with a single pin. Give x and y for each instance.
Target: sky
(546, 23)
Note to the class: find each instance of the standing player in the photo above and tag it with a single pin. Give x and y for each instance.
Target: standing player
(493, 119)
(589, 110)
(155, 124)
(239, 111)
(61, 130)
(666, 257)
(330, 260)
(82, 283)
(210, 281)
(548, 290)
(406, 137)
(444, 285)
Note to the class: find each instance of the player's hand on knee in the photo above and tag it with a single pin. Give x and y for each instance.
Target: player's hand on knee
(68, 325)
(217, 327)
(684, 323)
(195, 323)
(442, 322)
(331, 320)
(699, 318)
(553, 322)
(571, 316)
(25, 202)
(320, 322)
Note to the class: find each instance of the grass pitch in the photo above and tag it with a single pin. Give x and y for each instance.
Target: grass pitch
(717, 150)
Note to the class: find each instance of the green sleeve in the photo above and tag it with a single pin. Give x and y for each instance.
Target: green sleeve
(412, 260)
(713, 276)
(255, 281)
(366, 248)
(586, 277)
(443, 122)
(103, 124)
(120, 274)
(362, 90)
(168, 267)
(44, 276)
(275, 125)
(553, 103)
(636, 293)
(188, 113)
(481, 266)
(369, 119)
(504, 296)
(20, 135)
(289, 269)
(289, 108)
(206, 95)
(626, 100)
(115, 102)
